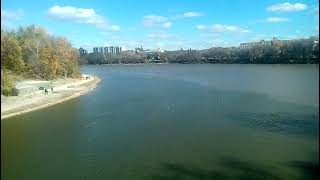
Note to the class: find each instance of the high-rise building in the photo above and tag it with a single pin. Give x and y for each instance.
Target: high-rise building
(117, 50)
(252, 44)
(111, 49)
(273, 42)
(107, 50)
(100, 49)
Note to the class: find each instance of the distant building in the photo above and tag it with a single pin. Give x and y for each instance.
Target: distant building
(107, 50)
(82, 51)
(118, 49)
(111, 50)
(273, 42)
(252, 44)
(276, 41)
(100, 49)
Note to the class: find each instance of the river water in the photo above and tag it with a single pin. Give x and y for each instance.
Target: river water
(173, 121)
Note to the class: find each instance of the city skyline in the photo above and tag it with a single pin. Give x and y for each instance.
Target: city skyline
(171, 26)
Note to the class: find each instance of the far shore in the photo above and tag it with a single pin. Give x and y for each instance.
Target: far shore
(64, 89)
(129, 64)
(115, 64)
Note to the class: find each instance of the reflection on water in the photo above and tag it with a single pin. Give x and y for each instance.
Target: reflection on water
(295, 124)
(233, 168)
(173, 122)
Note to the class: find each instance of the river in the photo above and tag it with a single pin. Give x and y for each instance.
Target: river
(173, 121)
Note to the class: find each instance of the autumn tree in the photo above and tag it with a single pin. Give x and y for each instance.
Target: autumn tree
(11, 57)
(49, 64)
(7, 84)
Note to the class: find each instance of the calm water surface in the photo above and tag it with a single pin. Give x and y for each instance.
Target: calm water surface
(174, 122)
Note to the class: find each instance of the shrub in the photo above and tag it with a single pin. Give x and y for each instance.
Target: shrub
(7, 84)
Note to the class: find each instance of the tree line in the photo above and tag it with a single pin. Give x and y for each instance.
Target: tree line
(122, 57)
(32, 52)
(297, 51)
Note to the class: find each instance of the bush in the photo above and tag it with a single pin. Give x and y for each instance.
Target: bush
(7, 85)
(11, 56)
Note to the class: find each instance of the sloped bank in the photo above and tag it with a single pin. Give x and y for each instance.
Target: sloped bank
(12, 106)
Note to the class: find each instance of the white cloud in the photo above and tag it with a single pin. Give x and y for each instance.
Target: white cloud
(276, 19)
(287, 7)
(227, 28)
(8, 17)
(201, 27)
(81, 15)
(167, 24)
(115, 28)
(189, 14)
(154, 20)
(192, 14)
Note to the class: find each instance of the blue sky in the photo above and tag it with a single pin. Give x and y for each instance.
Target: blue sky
(173, 24)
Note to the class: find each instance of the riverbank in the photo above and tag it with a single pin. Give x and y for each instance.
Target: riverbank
(64, 89)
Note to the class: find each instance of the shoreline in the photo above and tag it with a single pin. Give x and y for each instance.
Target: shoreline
(117, 64)
(44, 102)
